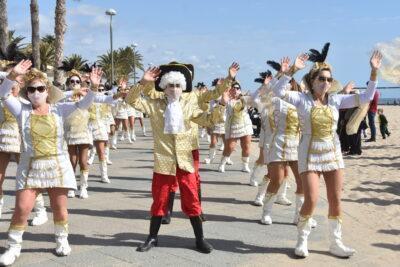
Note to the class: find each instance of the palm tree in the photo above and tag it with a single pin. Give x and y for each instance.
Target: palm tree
(74, 61)
(126, 61)
(46, 55)
(35, 33)
(60, 27)
(3, 26)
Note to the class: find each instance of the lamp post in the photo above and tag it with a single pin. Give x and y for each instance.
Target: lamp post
(111, 12)
(134, 45)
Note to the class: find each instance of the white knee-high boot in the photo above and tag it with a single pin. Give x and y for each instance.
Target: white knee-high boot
(61, 237)
(256, 175)
(303, 231)
(298, 205)
(144, 130)
(40, 211)
(114, 140)
(133, 135)
(281, 196)
(103, 172)
(84, 183)
(245, 164)
(92, 153)
(221, 167)
(262, 190)
(211, 156)
(14, 245)
(107, 155)
(267, 209)
(337, 247)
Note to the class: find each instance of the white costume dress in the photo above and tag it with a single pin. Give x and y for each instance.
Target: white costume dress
(76, 127)
(220, 127)
(319, 148)
(238, 123)
(10, 139)
(99, 117)
(44, 161)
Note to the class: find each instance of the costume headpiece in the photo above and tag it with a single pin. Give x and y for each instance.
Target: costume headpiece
(262, 77)
(187, 70)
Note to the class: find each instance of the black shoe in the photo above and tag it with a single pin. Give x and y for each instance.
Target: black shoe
(152, 240)
(202, 245)
(148, 244)
(166, 219)
(370, 140)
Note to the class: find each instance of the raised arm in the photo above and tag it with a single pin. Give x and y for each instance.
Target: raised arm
(12, 103)
(350, 101)
(207, 119)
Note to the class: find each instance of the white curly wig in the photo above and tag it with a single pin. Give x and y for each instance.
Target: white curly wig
(174, 77)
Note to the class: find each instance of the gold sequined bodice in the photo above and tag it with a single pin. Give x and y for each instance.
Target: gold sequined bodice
(44, 135)
(321, 121)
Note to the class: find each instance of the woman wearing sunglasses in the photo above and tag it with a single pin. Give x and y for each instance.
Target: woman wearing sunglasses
(238, 126)
(319, 148)
(77, 133)
(44, 163)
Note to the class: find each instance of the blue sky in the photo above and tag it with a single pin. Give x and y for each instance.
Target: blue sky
(212, 34)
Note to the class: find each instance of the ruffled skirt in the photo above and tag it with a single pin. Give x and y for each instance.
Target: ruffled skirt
(10, 139)
(320, 155)
(240, 130)
(99, 130)
(79, 137)
(283, 148)
(219, 128)
(51, 172)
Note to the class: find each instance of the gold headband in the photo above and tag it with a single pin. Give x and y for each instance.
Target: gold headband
(73, 72)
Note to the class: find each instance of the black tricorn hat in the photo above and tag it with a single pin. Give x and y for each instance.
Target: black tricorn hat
(186, 69)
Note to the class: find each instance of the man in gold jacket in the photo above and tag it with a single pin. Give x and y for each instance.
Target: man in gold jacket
(171, 119)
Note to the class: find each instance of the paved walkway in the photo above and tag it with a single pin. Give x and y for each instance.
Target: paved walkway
(107, 227)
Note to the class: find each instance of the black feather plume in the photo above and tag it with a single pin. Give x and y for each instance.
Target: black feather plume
(214, 82)
(275, 65)
(259, 80)
(265, 74)
(316, 56)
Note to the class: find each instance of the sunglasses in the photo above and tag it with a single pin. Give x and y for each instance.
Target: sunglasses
(325, 79)
(75, 81)
(32, 89)
(171, 85)
(236, 87)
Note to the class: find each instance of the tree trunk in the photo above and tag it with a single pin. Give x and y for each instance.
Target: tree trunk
(59, 30)
(3, 26)
(35, 34)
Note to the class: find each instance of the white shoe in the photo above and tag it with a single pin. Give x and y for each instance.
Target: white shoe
(256, 174)
(122, 137)
(71, 193)
(211, 156)
(267, 209)
(40, 212)
(246, 168)
(221, 167)
(281, 195)
(107, 155)
(313, 223)
(84, 184)
(103, 172)
(303, 231)
(337, 247)
(92, 153)
(144, 131)
(114, 141)
(221, 148)
(262, 190)
(61, 236)
(229, 161)
(207, 161)
(14, 245)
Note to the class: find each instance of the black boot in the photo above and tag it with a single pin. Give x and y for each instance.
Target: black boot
(167, 218)
(152, 240)
(201, 244)
(202, 217)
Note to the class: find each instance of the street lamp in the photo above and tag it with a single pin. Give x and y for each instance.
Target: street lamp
(134, 45)
(111, 12)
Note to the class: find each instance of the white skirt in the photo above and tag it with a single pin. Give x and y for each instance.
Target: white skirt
(240, 130)
(283, 148)
(121, 114)
(219, 128)
(99, 130)
(134, 113)
(52, 172)
(10, 139)
(79, 138)
(321, 155)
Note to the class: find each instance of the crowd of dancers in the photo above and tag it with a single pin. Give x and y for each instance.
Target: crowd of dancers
(49, 132)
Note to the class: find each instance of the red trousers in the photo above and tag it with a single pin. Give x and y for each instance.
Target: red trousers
(196, 160)
(189, 186)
